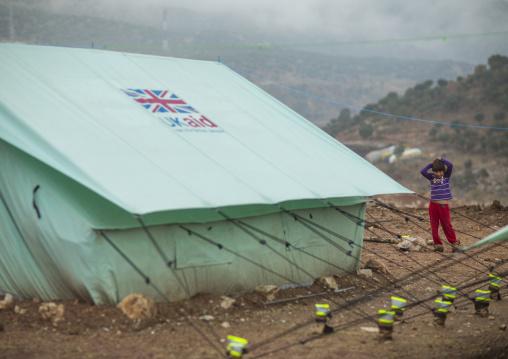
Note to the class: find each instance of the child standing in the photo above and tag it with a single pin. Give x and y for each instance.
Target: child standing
(440, 193)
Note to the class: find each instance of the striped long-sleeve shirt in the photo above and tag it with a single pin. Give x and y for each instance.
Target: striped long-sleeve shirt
(439, 187)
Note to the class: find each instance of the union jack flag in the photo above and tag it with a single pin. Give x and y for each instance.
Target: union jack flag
(158, 101)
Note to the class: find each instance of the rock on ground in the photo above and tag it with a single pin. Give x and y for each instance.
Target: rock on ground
(138, 306)
(52, 311)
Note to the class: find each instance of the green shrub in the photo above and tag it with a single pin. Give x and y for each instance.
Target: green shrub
(442, 83)
(365, 130)
(484, 173)
(453, 102)
(483, 143)
(444, 137)
(497, 62)
(345, 115)
(479, 117)
(456, 128)
(480, 69)
(471, 134)
(499, 116)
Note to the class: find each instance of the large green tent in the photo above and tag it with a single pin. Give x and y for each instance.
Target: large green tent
(113, 163)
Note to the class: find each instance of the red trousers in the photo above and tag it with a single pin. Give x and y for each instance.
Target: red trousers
(440, 213)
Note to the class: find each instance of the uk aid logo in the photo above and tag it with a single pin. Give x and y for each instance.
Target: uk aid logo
(172, 110)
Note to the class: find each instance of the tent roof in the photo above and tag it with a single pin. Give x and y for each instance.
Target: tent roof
(153, 134)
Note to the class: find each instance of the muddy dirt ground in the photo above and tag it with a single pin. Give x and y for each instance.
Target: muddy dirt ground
(285, 329)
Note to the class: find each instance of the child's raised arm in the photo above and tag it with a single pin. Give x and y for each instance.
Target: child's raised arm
(449, 167)
(425, 172)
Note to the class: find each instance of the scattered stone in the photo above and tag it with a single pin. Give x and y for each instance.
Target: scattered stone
(502, 327)
(321, 328)
(225, 324)
(481, 311)
(52, 311)
(227, 302)
(367, 273)
(370, 329)
(8, 302)
(207, 318)
(491, 317)
(376, 266)
(19, 310)
(328, 282)
(267, 291)
(413, 244)
(138, 306)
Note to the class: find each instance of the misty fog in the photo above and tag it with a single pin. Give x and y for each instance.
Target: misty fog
(392, 27)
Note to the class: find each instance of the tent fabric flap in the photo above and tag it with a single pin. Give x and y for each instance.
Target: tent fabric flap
(500, 235)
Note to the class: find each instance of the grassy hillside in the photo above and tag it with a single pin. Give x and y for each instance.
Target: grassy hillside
(461, 107)
(348, 80)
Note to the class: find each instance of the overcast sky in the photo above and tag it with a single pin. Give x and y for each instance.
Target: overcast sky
(336, 20)
(365, 18)
(356, 18)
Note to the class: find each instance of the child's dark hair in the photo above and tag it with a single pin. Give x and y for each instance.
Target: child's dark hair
(438, 165)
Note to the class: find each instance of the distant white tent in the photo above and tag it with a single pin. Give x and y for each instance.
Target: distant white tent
(94, 144)
(389, 154)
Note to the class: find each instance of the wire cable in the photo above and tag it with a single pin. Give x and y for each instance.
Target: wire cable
(169, 263)
(221, 247)
(263, 242)
(149, 282)
(375, 253)
(442, 254)
(356, 107)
